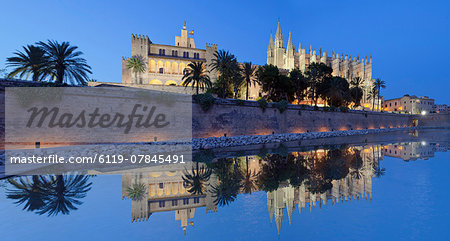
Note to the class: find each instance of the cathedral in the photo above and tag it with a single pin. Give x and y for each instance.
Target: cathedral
(343, 66)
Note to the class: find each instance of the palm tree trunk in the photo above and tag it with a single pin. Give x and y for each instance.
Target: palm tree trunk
(197, 87)
(246, 96)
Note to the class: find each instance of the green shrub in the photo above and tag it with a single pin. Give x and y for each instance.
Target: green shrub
(262, 103)
(333, 108)
(282, 105)
(343, 109)
(206, 101)
(316, 108)
(326, 108)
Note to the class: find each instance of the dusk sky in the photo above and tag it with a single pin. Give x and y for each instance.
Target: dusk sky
(409, 40)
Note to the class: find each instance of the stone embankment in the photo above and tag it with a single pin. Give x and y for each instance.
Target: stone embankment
(219, 142)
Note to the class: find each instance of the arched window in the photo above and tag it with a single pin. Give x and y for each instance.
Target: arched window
(161, 70)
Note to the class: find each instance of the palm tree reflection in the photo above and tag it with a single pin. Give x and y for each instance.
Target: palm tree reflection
(49, 195)
(195, 181)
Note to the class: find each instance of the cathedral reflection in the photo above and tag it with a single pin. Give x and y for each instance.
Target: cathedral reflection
(302, 180)
(306, 179)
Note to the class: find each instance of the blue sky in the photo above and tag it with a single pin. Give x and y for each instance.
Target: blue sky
(409, 40)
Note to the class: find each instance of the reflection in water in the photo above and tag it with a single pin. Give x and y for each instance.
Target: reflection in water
(302, 179)
(51, 194)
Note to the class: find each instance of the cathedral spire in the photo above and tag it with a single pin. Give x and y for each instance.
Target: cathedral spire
(290, 45)
(270, 42)
(279, 35)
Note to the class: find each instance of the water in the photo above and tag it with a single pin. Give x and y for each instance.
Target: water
(383, 188)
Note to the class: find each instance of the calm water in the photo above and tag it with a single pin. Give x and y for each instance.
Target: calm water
(388, 189)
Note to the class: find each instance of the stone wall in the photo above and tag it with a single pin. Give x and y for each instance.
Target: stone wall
(433, 120)
(227, 118)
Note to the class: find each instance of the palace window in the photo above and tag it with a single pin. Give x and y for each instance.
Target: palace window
(162, 52)
(162, 204)
(185, 201)
(174, 53)
(196, 199)
(161, 70)
(174, 202)
(185, 54)
(196, 55)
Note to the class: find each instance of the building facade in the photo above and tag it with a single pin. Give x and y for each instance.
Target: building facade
(343, 66)
(441, 108)
(409, 105)
(166, 64)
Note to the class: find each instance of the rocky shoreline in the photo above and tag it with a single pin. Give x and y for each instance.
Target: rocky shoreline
(218, 142)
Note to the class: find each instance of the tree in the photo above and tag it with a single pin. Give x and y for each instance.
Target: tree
(65, 63)
(136, 65)
(372, 95)
(196, 75)
(317, 73)
(300, 84)
(64, 194)
(335, 91)
(248, 71)
(356, 91)
(50, 195)
(237, 81)
(276, 85)
(379, 84)
(195, 181)
(136, 191)
(32, 192)
(224, 63)
(249, 179)
(32, 60)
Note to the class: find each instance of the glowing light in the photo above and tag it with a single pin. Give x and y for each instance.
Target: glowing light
(423, 112)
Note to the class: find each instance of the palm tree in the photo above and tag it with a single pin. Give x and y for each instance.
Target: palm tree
(379, 84)
(229, 183)
(63, 194)
(249, 179)
(195, 181)
(197, 76)
(237, 80)
(31, 61)
(30, 192)
(372, 95)
(356, 90)
(248, 71)
(136, 191)
(65, 62)
(223, 62)
(137, 66)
